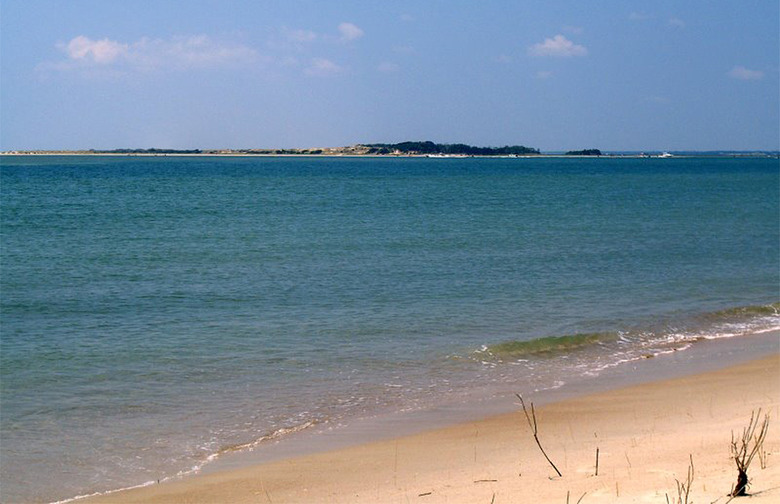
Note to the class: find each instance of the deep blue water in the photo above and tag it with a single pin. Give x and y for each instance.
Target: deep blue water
(156, 310)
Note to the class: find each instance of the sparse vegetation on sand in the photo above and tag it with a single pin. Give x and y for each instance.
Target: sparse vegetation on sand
(745, 448)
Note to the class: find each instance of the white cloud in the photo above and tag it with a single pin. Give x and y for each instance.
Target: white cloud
(574, 30)
(322, 67)
(349, 32)
(676, 23)
(558, 46)
(543, 74)
(299, 35)
(102, 52)
(742, 73)
(387, 67)
(148, 54)
(191, 52)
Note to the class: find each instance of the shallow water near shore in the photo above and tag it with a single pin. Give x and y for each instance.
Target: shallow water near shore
(160, 312)
(495, 399)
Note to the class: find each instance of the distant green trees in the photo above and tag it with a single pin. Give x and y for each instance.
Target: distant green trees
(429, 147)
(586, 152)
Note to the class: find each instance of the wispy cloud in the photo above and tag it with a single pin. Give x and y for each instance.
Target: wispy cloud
(558, 46)
(543, 74)
(287, 48)
(299, 39)
(741, 73)
(322, 67)
(676, 22)
(299, 36)
(192, 52)
(350, 32)
(177, 53)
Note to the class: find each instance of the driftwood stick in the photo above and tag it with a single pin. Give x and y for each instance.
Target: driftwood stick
(535, 431)
(597, 461)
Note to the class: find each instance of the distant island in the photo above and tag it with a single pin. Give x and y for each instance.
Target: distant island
(379, 149)
(402, 149)
(586, 152)
(425, 148)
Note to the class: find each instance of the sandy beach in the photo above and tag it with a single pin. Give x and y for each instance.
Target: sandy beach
(645, 436)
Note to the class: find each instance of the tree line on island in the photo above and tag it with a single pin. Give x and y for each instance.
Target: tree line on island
(459, 149)
(586, 152)
(397, 149)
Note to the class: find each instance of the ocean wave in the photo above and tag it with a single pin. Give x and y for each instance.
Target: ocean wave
(278, 433)
(635, 343)
(546, 346)
(736, 321)
(772, 309)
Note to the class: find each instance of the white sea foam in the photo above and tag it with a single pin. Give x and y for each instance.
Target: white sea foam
(107, 492)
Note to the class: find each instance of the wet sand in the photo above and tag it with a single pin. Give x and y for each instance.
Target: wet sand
(645, 436)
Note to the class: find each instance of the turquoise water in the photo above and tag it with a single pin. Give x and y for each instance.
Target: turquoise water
(159, 311)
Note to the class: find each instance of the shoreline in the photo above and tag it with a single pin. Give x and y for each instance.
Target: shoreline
(499, 399)
(246, 301)
(612, 414)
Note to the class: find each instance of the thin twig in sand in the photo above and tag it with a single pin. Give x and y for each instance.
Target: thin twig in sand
(683, 489)
(535, 430)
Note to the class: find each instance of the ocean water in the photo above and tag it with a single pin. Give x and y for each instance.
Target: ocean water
(158, 312)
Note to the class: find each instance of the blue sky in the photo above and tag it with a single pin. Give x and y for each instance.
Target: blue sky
(555, 75)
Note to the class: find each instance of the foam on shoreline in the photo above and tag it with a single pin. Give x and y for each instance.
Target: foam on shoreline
(725, 386)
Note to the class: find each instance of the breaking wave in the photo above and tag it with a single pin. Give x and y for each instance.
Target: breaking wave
(547, 346)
